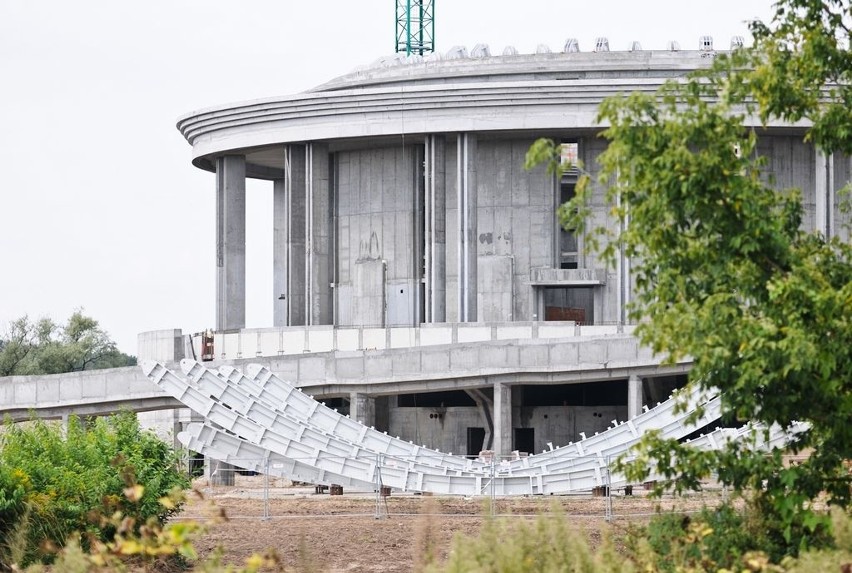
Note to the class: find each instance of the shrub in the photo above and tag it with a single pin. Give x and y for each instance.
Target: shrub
(13, 513)
(72, 472)
(722, 537)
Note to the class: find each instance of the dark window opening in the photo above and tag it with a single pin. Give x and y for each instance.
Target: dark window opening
(524, 440)
(609, 393)
(475, 441)
(339, 404)
(435, 400)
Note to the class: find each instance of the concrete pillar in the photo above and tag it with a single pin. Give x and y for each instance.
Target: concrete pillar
(362, 408)
(467, 247)
(230, 242)
(634, 396)
(318, 220)
(824, 194)
(288, 249)
(435, 215)
(221, 473)
(502, 419)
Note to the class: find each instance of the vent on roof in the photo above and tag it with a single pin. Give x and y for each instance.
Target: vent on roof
(705, 43)
(673, 46)
(737, 42)
(510, 51)
(480, 51)
(456, 53)
(572, 46)
(602, 45)
(635, 47)
(542, 49)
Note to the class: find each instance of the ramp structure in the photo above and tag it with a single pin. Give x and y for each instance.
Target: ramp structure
(257, 421)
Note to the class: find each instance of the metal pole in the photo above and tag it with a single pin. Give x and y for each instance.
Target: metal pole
(608, 491)
(378, 486)
(266, 493)
(408, 29)
(493, 457)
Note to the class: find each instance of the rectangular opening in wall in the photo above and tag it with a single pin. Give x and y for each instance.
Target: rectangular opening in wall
(570, 303)
(475, 441)
(605, 393)
(524, 440)
(569, 255)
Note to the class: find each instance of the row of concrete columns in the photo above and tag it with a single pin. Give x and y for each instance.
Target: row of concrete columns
(303, 235)
(362, 408)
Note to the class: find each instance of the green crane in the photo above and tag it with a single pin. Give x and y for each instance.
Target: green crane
(415, 26)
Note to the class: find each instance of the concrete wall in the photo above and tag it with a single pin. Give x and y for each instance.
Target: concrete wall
(791, 163)
(516, 218)
(163, 345)
(375, 195)
(446, 428)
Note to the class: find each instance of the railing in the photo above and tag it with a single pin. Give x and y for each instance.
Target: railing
(255, 342)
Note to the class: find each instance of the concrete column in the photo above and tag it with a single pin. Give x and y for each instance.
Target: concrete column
(318, 218)
(362, 408)
(824, 194)
(634, 396)
(221, 473)
(230, 242)
(288, 249)
(435, 215)
(467, 249)
(502, 418)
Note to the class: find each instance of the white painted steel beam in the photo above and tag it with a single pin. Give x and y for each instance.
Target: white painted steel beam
(256, 435)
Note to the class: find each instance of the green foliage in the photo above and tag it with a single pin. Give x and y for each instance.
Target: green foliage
(73, 471)
(148, 546)
(722, 537)
(14, 488)
(723, 273)
(44, 347)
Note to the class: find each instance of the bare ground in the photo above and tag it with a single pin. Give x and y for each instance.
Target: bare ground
(354, 533)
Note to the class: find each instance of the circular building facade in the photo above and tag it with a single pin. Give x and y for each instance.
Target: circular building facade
(400, 196)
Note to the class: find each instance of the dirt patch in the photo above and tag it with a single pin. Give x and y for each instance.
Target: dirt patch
(357, 532)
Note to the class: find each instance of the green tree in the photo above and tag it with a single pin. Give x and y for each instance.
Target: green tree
(723, 271)
(44, 347)
(63, 475)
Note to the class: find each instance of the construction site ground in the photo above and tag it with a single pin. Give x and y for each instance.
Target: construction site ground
(357, 531)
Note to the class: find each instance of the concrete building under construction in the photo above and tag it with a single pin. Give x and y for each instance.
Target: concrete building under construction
(421, 281)
(401, 202)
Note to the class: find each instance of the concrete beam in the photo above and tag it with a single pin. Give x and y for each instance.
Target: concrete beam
(230, 242)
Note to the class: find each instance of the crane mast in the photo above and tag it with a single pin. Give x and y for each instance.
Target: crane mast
(415, 27)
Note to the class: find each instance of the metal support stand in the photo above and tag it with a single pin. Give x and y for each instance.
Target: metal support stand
(608, 491)
(266, 493)
(379, 486)
(493, 495)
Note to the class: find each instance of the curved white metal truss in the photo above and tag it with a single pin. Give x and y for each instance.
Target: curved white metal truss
(262, 423)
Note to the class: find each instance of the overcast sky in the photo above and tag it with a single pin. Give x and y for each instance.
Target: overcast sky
(100, 207)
